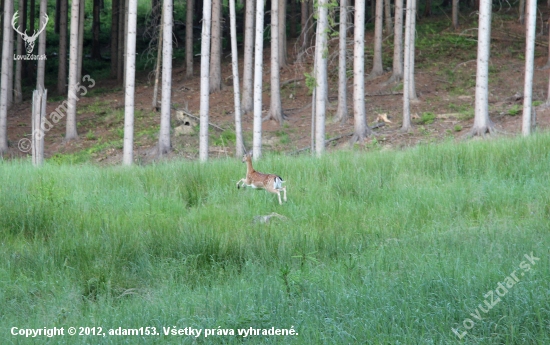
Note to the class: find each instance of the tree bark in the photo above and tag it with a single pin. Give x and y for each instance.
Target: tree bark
(96, 24)
(216, 46)
(282, 33)
(276, 108)
(114, 37)
(377, 68)
(39, 98)
(292, 23)
(455, 14)
(80, 55)
(307, 28)
(158, 64)
(342, 110)
(321, 91)
(41, 64)
(529, 67)
(397, 70)
(387, 13)
(189, 39)
(19, 51)
(412, 84)
(361, 130)
(239, 148)
(482, 122)
(8, 9)
(521, 11)
(407, 68)
(248, 68)
(10, 66)
(205, 83)
(258, 64)
(62, 67)
(129, 85)
(164, 136)
(71, 132)
(121, 40)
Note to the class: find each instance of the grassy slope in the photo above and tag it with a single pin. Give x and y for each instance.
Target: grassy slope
(385, 247)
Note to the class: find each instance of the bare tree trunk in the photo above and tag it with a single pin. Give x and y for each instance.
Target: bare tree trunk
(39, 98)
(19, 63)
(159, 63)
(121, 40)
(258, 64)
(32, 13)
(387, 13)
(62, 68)
(482, 123)
(407, 68)
(321, 91)
(10, 67)
(114, 37)
(129, 84)
(71, 132)
(455, 14)
(80, 54)
(292, 23)
(307, 29)
(248, 68)
(239, 149)
(276, 108)
(282, 33)
(164, 136)
(377, 68)
(189, 39)
(529, 66)
(41, 68)
(522, 11)
(205, 83)
(412, 84)
(8, 9)
(126, 14)
(361, 130)
(342, 111)
(428, 8)
(216, 52)
(397, 70)
(96, 24)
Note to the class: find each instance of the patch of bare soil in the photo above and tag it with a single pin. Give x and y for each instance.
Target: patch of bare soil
(445, 84)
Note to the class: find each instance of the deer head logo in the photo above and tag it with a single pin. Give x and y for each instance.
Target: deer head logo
(29, 40)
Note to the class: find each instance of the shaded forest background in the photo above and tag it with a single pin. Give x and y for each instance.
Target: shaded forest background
(445, 81)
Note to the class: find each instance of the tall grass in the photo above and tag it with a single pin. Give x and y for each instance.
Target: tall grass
(384, 247)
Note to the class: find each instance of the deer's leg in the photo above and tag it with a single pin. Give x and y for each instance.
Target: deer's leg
(241, 180)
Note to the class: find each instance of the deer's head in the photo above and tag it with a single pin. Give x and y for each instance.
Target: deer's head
(29, 40)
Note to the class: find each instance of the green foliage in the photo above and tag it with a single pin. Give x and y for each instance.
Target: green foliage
(426, 118)
(226, 138)
(412, 235)
(514, 110)
(311, 83)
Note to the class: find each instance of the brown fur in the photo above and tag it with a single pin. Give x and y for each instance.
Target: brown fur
(270, 182)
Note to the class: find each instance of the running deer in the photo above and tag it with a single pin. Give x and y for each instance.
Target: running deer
(271, 183)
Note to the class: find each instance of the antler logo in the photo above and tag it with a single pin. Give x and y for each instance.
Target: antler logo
(29, 40)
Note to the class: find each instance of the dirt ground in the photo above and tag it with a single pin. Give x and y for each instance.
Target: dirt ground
(445, 84)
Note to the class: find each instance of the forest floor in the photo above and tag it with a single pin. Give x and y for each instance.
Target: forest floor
(445, 83)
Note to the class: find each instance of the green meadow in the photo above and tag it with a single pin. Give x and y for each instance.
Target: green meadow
(376, 247)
